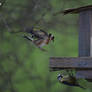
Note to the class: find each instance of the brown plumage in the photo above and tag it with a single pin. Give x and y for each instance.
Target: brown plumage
(40, 42)
(38, 37)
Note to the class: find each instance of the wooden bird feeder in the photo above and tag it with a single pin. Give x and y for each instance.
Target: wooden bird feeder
(83, 63)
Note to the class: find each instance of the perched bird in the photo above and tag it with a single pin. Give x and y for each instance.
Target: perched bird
(69, 80)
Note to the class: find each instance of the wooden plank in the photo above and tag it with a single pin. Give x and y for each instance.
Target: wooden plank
(85, 40)
(87, 74)
(84, 34)
(79, 63)
(78, 10)
(75, 10)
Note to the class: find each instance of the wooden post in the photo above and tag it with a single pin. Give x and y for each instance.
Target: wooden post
(85, 39)
(82, 64)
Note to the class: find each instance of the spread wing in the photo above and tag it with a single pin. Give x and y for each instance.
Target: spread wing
(39, 34)
(35, 33)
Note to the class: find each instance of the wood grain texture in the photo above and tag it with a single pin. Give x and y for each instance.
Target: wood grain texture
(84, 33)
(74, 10)
(83, 64)
(80, 63)
(85, 40)
(77, 10)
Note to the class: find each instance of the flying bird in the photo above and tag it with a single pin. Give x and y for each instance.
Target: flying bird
(38, 37)
(69, 80)
(40, 41)
(40, 34)
(37, 33)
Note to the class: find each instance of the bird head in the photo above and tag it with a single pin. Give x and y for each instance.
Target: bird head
(59, 77)
(51, 37)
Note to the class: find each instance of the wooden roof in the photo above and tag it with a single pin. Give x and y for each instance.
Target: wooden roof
(75, 10)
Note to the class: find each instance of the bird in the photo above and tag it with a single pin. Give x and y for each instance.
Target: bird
(39, 33)
(40, 42)
(38, 37)
(69, 80)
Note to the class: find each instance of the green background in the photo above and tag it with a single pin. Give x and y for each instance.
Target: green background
(23, 67)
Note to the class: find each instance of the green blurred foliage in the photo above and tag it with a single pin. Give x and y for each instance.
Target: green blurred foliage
(23, 67)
